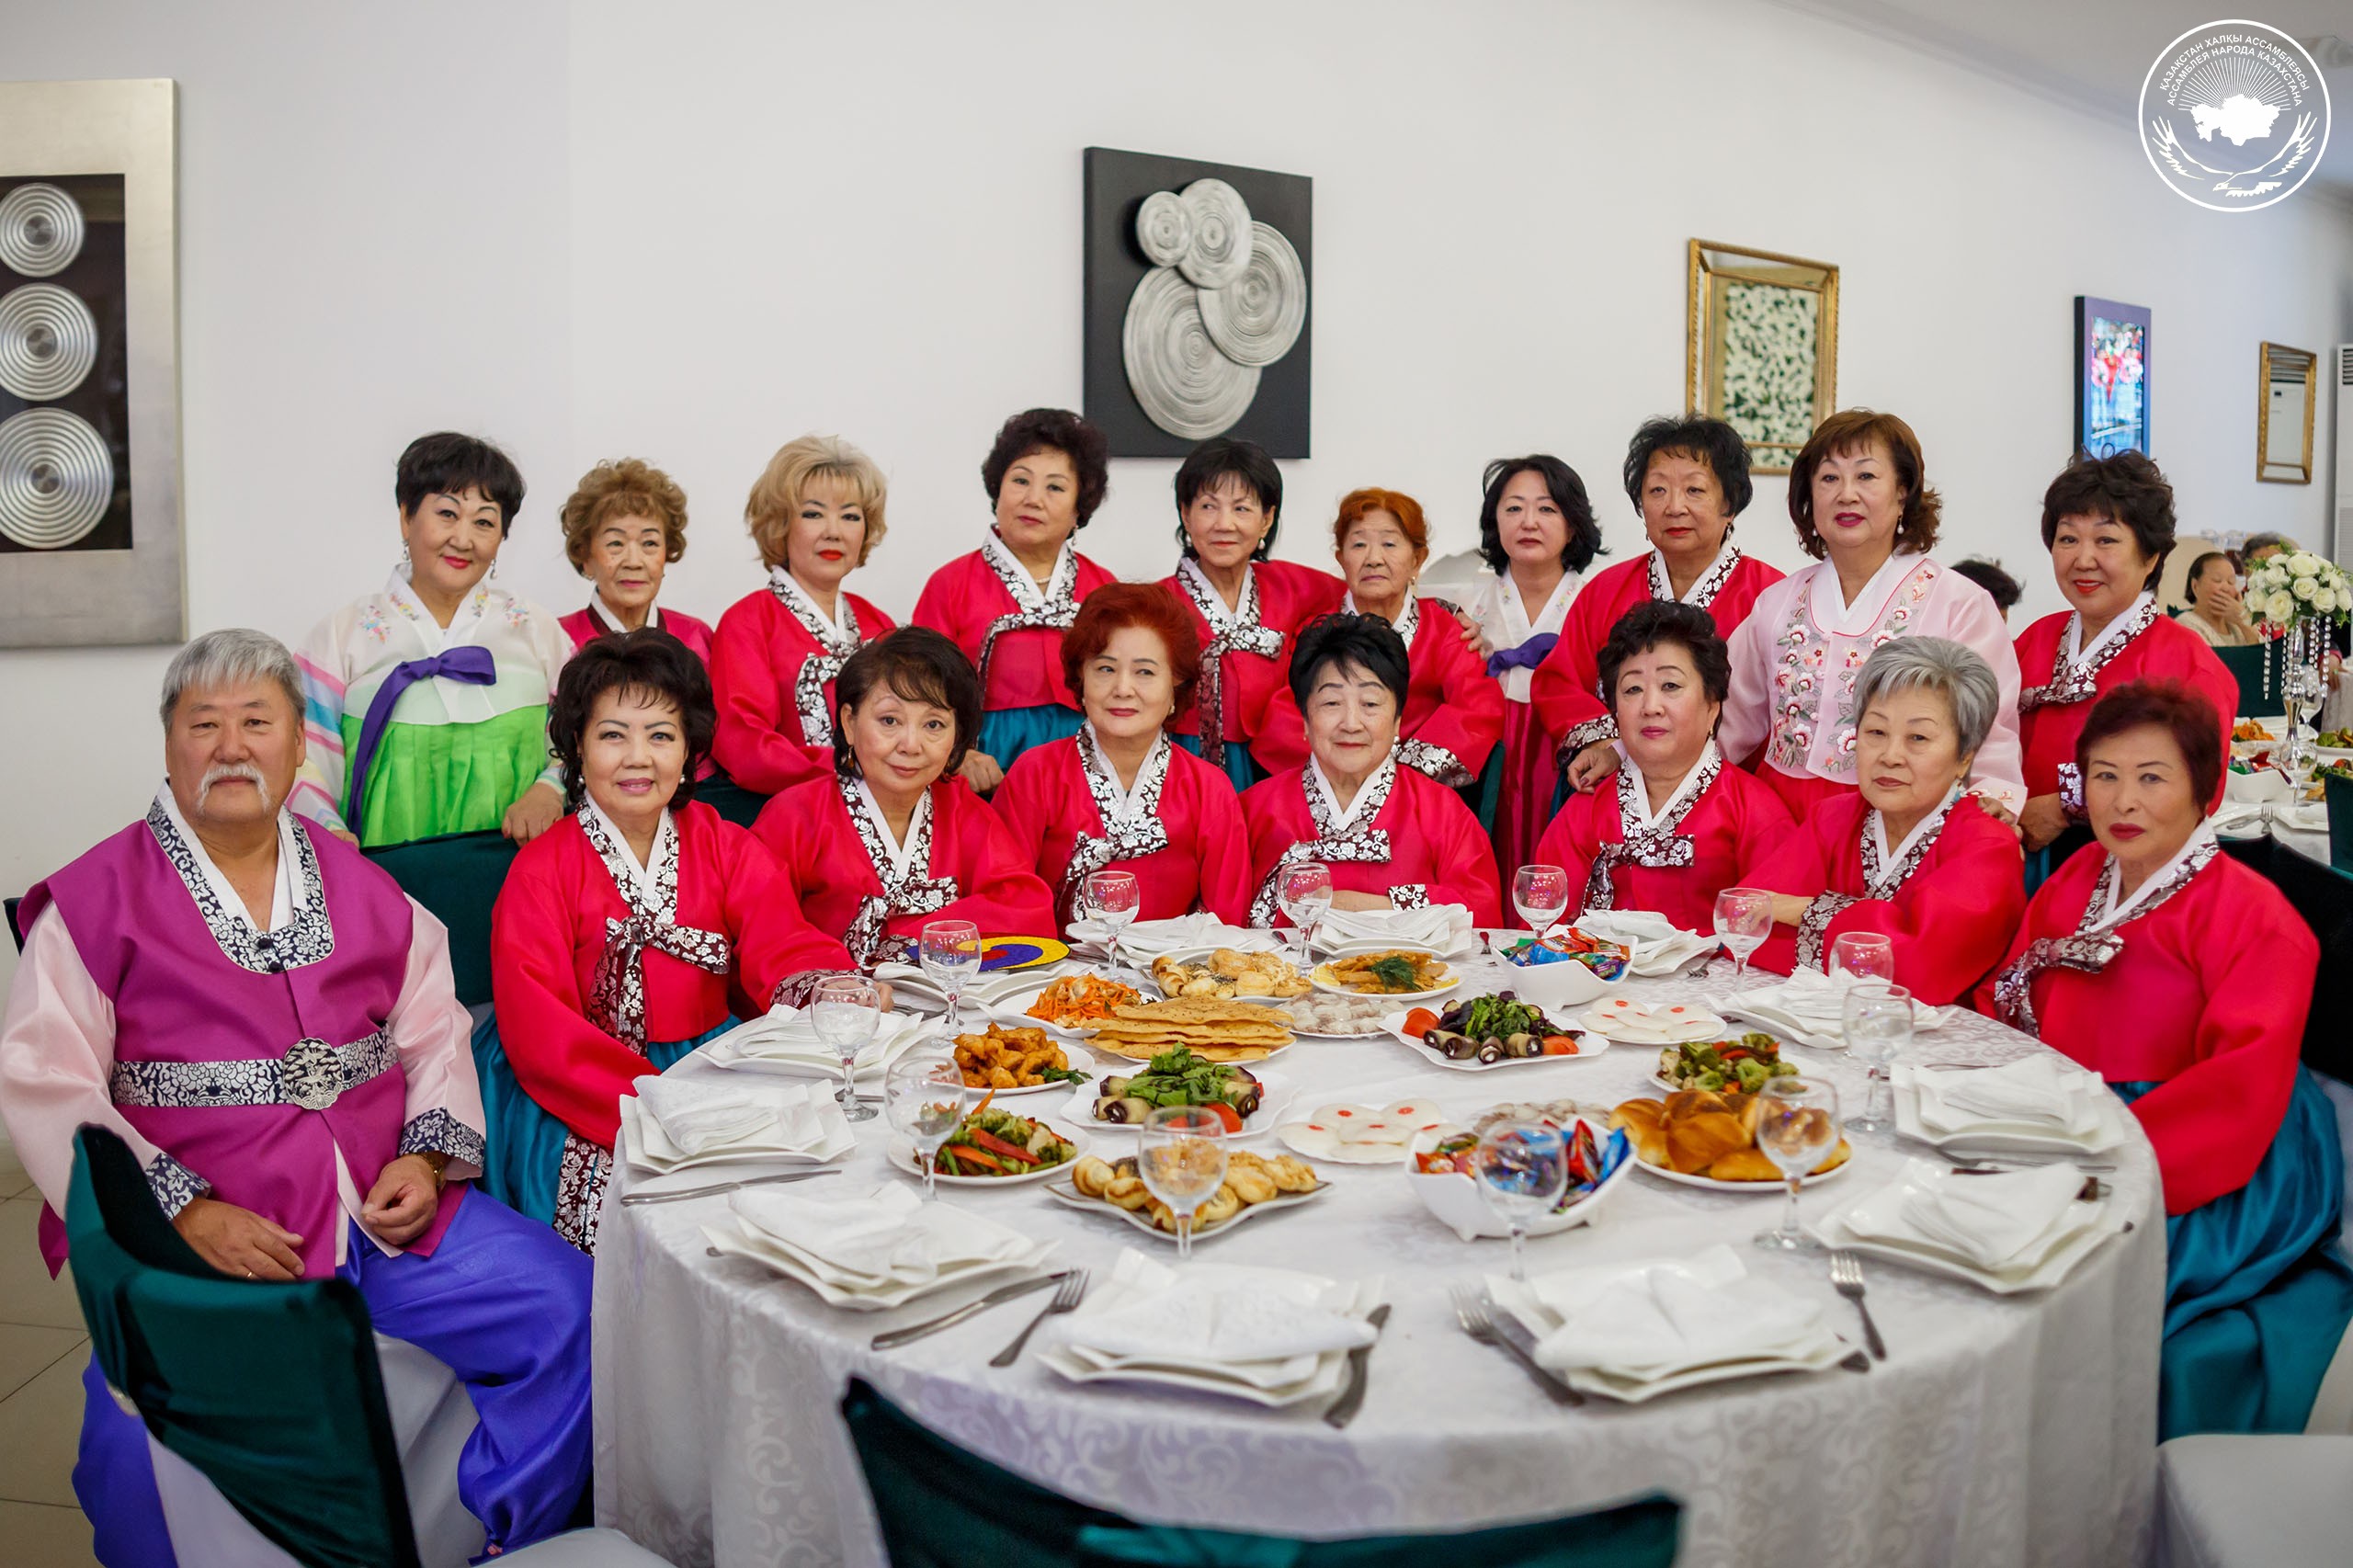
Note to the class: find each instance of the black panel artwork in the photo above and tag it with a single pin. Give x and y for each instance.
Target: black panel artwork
(1197, 305)
(64, 365)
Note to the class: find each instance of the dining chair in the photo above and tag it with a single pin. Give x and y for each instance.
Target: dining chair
(271, 1393)
(2266, 1500)
(941, 1507)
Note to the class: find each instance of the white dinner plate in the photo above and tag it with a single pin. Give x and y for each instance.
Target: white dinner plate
(1195, 955)
(1070, 1197)
(1080, 1061)
(1589, 1045)
(1629, 1022)
(1453, 978)
(649, 1151)
(903, 1154)
(1013, 1009)
(1539, 1322)
(1465, 945)
(1080, 1365)
(1777, 1187)
(1300, 1136)
(2109, 1136)
(1275, 1096)
(735, 1238)
(2054, 1267)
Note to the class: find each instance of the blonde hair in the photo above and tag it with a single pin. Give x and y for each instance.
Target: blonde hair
(776, 495)
(628, 488)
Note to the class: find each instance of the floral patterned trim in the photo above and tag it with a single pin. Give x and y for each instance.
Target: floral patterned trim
(1803, 676)
(798, 990)
(1437, 762)
(1592, 732)
(581, 1174)
(1122, 838)
(2072, 680)
(2095, 944)
(1711, 583)
(311, 1075)
(1052, 610)
(1881, 883)
(913, 893)
(1657, 846)
(305, 940)
(174, 1184)
(617, 993)
(1242, 631)
(1410, 895)
(435, 1132)
(1814, 927)
(834, 649)
(2071, 792)
(1362, 845)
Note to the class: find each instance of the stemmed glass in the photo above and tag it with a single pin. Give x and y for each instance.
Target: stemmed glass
(927, 1098)
(1523, 1169)
(1540, 895)
(1878, 1019)
(1180, 1154)
(1114, 898)
(1744, 919)
(1797, 1128)
(845, 1011)
(1304, 891)
(950, 950)
(1863, 955)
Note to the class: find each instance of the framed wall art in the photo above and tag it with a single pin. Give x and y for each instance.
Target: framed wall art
(1198, 278)
(2111, 377)
(89, 374)
(1762, 350)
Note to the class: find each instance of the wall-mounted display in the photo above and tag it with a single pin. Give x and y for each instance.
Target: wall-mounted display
(1197, 284)
(2286, 381)
(1762, 350)
(2111, 377)
(89, 377)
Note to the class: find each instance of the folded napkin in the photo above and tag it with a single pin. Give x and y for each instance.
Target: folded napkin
(701, 1116)
(1641, 1322)
(2263, 785)
(1817, 1002)
(2034, 1092)
(1215, 1315)
(890, 1237)
(1995, 1222)
(787, 1035)
(984, 988)
(1636, 928)
(1440, 927)
(1150, 939)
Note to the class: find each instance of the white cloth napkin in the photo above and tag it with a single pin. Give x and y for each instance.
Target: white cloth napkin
(786, 1034)
(890, 1237)
(2032, 1092)
(1818, 1002)
(1650, 1320)
(1440, 927)
(2263, 785)
(1636, 928)
(701, 1116)
(1995, 1222)
(1215, 1315)
(1150, 939)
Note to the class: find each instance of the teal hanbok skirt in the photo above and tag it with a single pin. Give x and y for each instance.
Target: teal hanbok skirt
(2257, 1295)
(1240, 765)
(1006, 733)
(525, 1142)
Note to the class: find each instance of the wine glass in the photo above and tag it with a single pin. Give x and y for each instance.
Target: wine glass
(1114, 898)
(1862, 955)
(950, 950)
(1305, 890)
(1797, 1128)
(1744, 919)
(845, 1010)
(1522, 1168)
(1878, 1019)
(925, 1095)
(1180, 1154)
(1540, 895)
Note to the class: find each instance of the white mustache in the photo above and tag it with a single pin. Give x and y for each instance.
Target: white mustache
(224, 770)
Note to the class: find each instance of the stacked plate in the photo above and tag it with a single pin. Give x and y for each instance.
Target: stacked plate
(876, 1252)
(1633, 1331)
(687, 1124)
(783, 1041)
(2037, 1105)
(1810, 1008)
(2018, 1231)
(1148, 939)
(917, 992)
(1658, 946)
(1267, 1335)
(1444, 929)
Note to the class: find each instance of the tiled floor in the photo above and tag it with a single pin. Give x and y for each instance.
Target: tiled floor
(42, 1351)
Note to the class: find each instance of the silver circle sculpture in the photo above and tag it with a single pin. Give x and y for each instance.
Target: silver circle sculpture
(56, 479)
(40, 230)
(1226, 297)
(49, 340)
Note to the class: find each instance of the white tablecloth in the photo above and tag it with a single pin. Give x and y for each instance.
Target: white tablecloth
(2001, 1431)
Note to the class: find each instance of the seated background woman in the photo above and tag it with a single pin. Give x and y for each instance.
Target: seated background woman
(1229, 506)
(1680, 823)
(2217, 608)
(2108, 524)
(1688, 477)
(1453, 714)
(627, 934)
(1536, 533)
(1007, 604)
(2183, 978)
(1909, 856)
(1119, 792)
(427, 701)
(623, 524)
(895, 839)
(1392, 837)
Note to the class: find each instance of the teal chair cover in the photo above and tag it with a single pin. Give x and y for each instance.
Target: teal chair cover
(2247, 664)
(456, 876)
(941, 1507)
(272, 1390)
(730, 799)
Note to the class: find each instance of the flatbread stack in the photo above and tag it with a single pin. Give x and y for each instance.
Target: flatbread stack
(1209, 1026)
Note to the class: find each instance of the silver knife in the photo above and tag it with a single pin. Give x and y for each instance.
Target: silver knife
(1344, 1409)
(631, 1199)
(893, 1338)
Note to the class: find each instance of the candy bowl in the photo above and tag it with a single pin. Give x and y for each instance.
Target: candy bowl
(1602, 1158)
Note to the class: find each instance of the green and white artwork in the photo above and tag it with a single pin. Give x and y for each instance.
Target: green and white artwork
(1770, 348)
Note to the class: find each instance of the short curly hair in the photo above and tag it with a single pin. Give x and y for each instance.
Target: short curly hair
(447, 463)
(1656, 621)
(626, 487)
(647, 660)
(1052, 430)
(2126, 489)
(1852, 430)
(1700, 439)
(1116, 605)
(797, 464)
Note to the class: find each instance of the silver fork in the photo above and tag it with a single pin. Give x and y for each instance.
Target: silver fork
(1471, 1311)
(1846, 1274)
(1074, 1288)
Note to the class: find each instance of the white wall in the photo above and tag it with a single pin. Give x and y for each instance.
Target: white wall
(691, 233)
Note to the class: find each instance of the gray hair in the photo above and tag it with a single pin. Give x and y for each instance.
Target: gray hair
(1939, 665)
(230, 658)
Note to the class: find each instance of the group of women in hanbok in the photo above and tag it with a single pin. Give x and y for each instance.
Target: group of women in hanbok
(1855, 739)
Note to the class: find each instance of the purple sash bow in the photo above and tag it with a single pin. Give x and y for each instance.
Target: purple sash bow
(472, 664)
(1527, 656)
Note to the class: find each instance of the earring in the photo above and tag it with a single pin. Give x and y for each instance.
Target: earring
(494, 569)
(404, 552)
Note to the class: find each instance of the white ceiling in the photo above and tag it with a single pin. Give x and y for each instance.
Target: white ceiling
(2093, 54)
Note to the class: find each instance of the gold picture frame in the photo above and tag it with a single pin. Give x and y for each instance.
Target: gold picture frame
(2285, 377)
(1762, 348)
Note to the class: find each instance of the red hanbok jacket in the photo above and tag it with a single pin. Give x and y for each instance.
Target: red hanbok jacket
(1454, 714)
(1288, 596)
(1025, 664)
(2164, 650)
(1730, 820)
(1415, 843)
(588, 623)
(765, 740)
(1048, 803)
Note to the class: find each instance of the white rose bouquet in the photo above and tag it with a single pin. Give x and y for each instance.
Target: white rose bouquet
(2296, 586)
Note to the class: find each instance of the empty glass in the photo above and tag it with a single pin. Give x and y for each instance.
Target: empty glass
(1180, 1154)
(1113, 898)
(950, 950)
(1878, 1019)
(1540, 895)
(845, 1011)
(1863, 955)
(1523, 1168)
(1797, 1126)
(925, 1095)
(1305, 890)
(1744, 919)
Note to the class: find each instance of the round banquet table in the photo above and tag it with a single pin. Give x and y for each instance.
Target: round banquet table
(2000, 1430)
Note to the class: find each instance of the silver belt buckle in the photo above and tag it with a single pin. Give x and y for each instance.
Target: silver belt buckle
(314, 1074)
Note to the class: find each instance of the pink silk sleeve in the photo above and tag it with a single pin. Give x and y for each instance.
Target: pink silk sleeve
(2000, 772)
(434, 1036)
(1746, 722)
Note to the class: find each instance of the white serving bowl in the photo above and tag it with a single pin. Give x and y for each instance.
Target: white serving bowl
(1454, 1197)
(1561, 989)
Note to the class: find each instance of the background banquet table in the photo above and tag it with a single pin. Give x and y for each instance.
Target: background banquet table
(2000, 1431)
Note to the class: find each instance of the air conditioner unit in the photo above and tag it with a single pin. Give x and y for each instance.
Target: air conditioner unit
(2341, 457)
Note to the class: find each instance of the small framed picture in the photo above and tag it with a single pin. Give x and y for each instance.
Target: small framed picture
(2111, 377)
(1762, 354)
